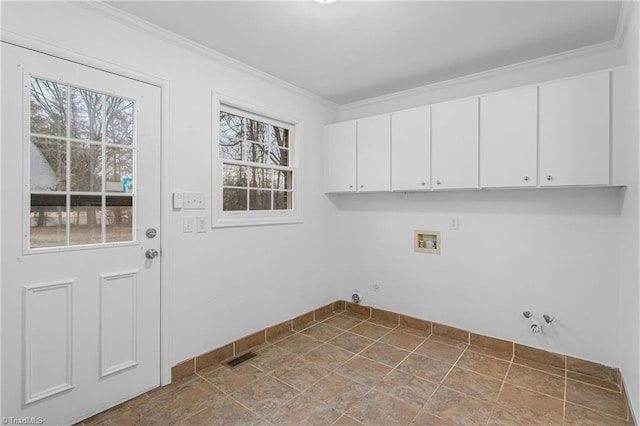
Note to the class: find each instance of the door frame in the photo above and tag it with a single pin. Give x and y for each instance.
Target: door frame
(67, 54)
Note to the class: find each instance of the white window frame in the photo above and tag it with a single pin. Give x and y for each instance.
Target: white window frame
(222, 219)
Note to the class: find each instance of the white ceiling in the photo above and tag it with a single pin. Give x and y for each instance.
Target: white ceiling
(354, 50)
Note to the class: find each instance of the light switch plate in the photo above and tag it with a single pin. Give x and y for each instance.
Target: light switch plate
(187, 224)
(178, 199)
(194, 200)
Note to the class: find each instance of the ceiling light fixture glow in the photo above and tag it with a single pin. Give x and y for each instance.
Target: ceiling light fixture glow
(325, 1)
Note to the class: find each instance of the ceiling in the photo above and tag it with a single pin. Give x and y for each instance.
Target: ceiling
(354, 50)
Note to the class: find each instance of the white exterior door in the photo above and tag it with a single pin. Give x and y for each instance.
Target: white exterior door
(80, 186)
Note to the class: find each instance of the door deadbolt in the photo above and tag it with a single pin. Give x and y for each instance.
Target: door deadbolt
(151, 233)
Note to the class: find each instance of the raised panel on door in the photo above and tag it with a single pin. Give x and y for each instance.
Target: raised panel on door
(374, 153)
(454, 145)
(508, 138)
(340, 172)
(574, 131)
(411, 150)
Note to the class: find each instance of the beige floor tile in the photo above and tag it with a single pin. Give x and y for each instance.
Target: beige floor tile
(304, 410)
(270, 358)
(483, 364)
(328, 356)
(386, 354)
(581, 416)
(347, 421)
(529, 406)
(448, 341)
(536, 380)
(407, 388)
(473, 384)
(539, 366)
(231, 379)
(265, 395)
(299, 373)
(338, 391)
(491, 352)
(322, 332)
(599, 399)
(351, 342)
(370, 330)
(224, 412)
(439, 351)
(342, 321)
(363, 370)
(424, 418)
(377, 408)
(425, 368)
(403, 340)
(298, 344)
(593, 381)
(458, 408)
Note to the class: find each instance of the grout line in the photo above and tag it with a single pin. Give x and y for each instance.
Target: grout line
(504, 380)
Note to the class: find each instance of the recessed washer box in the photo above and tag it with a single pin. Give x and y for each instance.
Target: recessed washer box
(426, 242)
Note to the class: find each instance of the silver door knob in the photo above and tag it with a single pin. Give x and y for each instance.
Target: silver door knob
(526, 178)
(549, 177)
(152, 253)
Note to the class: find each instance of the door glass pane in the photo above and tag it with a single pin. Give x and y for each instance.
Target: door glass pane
(85, 219)
(86, 114)
(119, 224)
(235, 199)
(119, 165)
(259, 200)
(86, 167)
(48, 164)
(48, 108)
(48, 220)
(119, 121)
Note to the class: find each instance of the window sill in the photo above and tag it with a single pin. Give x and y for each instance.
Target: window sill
(231, 222)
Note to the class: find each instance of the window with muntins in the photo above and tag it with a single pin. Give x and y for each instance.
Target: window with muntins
(257, 173)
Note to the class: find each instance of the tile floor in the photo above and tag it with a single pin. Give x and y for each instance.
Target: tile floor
(347, 370)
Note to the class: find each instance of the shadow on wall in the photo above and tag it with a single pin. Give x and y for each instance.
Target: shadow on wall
(581, 201)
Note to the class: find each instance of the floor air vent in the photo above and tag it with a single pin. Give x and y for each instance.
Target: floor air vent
(239, 360)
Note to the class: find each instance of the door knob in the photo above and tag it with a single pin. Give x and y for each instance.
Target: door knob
(152, 253)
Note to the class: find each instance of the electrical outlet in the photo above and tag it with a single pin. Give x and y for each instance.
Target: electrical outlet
(377, 285)
(201, 224)
(453, 223)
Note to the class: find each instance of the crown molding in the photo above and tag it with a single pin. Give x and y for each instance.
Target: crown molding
(624, 18)
(136, 23)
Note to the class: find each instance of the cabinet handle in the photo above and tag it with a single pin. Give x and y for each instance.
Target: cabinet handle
(423, 183)
(350, 186)
(361, 186)
(526, 178)
(438, 182)
(549, 177)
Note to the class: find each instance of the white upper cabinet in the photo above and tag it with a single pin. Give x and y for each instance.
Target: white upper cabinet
(508, 138)
(374, 153)
(454, 144)
(574, 131)
(411, 149)
(340, 158)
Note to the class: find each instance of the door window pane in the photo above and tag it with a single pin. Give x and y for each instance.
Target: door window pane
(48, 220)
(90, 138)
(119, 121)
(119, 222)
(85, 219)
(48, 164)
(86, 167)
(48, 108)
(86, 114)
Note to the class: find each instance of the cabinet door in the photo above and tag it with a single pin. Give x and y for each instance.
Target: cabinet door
(374, 153)
(574, 131)
(454, 144)
(340, 166)
(411, 149)
(508, 138)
